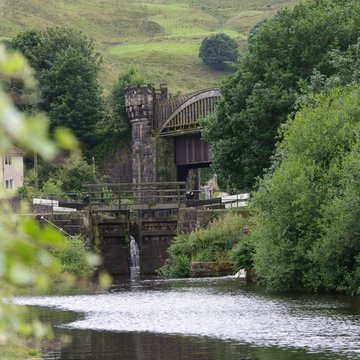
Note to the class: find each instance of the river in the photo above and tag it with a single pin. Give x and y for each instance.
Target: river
(212, 318)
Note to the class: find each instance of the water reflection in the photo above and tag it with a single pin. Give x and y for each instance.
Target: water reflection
(93, 345)
(203, 319)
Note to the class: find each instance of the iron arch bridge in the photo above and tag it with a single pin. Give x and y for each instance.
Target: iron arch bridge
(182, 114)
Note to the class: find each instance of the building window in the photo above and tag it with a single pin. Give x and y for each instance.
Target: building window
(9, 184)
(7, 160)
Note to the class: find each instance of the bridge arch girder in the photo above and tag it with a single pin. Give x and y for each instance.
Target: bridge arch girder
(185, 118)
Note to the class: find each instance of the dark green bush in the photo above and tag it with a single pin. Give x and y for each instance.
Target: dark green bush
(218, 49)
(242, 255)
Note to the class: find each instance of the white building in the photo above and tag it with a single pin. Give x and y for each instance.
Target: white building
(12, 168)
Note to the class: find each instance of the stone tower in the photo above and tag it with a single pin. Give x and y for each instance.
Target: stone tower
(139, 103)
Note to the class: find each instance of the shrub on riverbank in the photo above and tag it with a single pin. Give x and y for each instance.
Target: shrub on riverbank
(74, 258)
(212, 244)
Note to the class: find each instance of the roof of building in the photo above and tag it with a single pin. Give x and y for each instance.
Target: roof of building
(12, 150)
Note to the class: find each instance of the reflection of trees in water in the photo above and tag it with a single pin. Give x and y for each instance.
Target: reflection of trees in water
(93, 345)
(96, 345)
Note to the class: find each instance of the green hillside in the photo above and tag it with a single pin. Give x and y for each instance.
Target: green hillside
(162, 37)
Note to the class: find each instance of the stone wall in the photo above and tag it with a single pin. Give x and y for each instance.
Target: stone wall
(191, 219)
(117, 168)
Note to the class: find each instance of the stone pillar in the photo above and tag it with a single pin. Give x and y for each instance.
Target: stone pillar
(139, 102)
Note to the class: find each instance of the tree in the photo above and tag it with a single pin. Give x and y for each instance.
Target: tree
(66, 67)
(42, 48)
(75, 173)
(119, 122)
(283, 54)
(28, 43)
(218, 49)
(346, 65)
(71, 95)
(306, 207)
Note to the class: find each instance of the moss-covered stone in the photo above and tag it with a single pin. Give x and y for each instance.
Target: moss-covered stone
(210, 269)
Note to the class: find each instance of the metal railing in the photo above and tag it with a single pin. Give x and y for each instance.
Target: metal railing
(217, 202)
(128, 194)
(56, 227)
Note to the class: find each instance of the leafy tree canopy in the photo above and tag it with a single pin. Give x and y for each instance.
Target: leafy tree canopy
(118, 118)
(217, 49)
(307, 208)
(66, 68)
(42, 48)
(72, 96)
(75, 173)
(283, 53)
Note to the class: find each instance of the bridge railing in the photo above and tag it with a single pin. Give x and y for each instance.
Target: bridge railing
(128, 194)
(222, 201)
(182, 114)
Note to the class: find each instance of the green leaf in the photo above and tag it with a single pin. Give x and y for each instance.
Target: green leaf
(65, 138)
(105, 280)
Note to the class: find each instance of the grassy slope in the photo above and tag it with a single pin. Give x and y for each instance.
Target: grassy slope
(160, 36)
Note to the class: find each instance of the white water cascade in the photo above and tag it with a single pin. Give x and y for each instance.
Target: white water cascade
(134, 253)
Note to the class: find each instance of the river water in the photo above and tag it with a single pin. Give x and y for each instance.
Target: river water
(217, 318)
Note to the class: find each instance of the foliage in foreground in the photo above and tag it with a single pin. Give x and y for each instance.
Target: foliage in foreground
(211, 244)
(17, 352)
(283, 54)
(307, 208)
(25, 259)
(26, 249)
